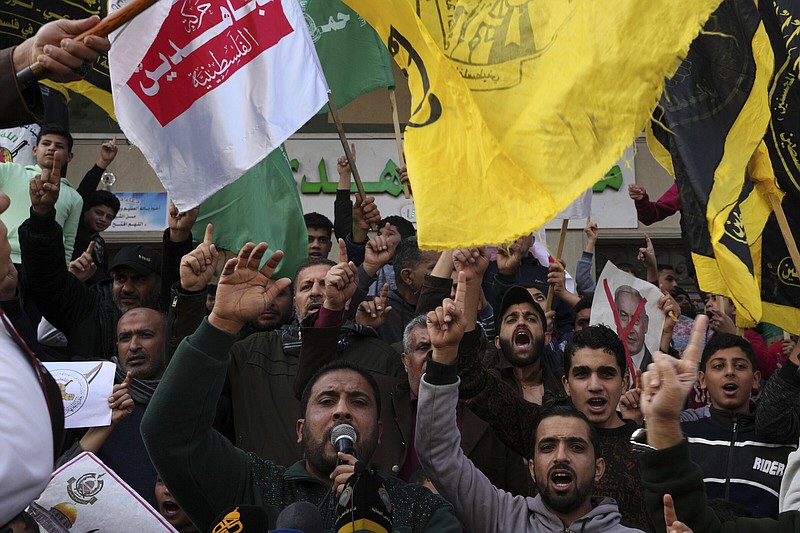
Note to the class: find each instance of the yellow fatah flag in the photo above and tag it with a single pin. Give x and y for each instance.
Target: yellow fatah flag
(520, 107)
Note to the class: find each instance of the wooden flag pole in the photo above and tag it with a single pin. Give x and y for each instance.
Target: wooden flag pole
(785, 230)
(105, 26)
(347, 153)
(561, 237)
(396, 123)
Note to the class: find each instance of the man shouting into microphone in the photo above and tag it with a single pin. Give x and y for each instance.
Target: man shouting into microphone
(208, 475)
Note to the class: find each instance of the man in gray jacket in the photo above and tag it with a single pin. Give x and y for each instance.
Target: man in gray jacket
(566, 457)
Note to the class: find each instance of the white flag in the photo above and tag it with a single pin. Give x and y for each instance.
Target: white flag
(208, 88)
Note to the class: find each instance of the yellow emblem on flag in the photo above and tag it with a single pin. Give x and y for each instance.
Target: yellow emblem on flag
(520, 107)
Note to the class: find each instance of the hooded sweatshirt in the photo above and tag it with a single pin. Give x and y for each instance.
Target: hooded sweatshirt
(478, 504)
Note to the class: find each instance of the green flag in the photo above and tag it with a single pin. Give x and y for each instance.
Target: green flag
(353, 57)
(262, 205)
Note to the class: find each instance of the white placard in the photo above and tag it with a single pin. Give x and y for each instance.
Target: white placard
(85, 388)
(86, 495)
(618, 294)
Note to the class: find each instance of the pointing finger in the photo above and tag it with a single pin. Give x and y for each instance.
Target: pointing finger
(208, 238)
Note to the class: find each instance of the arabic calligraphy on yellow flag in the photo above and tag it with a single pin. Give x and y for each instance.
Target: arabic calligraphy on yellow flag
(528, 102)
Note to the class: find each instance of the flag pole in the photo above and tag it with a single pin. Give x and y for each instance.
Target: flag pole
(785, 230)
(561, 237)
(396, 123)
(346, 145)
(105, 26)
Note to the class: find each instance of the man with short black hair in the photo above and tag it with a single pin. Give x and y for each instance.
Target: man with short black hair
(667, 278)
(52, 142)
(99, 210)
(263, 367)
(411, 265)
(738, 465)
(566, 457)
(595, 378)
(207, 474)
(320, 229)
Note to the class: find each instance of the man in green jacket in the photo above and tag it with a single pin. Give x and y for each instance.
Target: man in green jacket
(208, 475)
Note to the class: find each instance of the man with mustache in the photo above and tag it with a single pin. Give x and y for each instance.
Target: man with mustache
(263, 365)
(566, 452)
(207, 474)
(595, 376)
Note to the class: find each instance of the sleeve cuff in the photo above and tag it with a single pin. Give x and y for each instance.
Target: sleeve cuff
(38, 220)
(438, 374)
(469, 342)
(327, 318)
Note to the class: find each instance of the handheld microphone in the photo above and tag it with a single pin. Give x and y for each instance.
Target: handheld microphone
(343, 438)
(299, 516)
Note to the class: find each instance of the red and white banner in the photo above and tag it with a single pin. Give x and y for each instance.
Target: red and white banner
(208, 88)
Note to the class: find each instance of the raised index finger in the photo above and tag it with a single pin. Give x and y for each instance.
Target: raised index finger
(691, 354)
(342, 251)
(208, 238)
(670, 516)
(461, 291)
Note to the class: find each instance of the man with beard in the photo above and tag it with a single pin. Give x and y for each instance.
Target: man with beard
(595, 378)
(207, 474)
(399, 396)
(264, 364)
(566, 453)
(521, 340)
(88, 316)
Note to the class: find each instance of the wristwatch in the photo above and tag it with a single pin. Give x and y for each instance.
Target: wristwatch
(639, 442)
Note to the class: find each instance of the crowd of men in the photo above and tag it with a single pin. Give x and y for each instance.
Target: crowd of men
(474, 390)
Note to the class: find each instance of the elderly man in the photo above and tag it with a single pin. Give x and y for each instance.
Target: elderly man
(207, 474)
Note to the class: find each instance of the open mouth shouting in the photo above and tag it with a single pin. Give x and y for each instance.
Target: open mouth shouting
(522, 339)
(562, 479)
(170, 509)
(597, 405)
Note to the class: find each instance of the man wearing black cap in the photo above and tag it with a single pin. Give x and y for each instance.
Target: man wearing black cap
(87, 316)
(136, 271)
